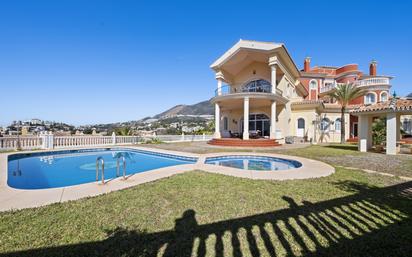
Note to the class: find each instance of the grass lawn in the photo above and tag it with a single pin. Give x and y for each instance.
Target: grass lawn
(334, 154)
(350, 213)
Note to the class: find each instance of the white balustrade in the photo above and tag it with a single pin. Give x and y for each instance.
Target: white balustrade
(327, 88)
(49, 141)
(359, 83)
(372, 82)
(26, 142)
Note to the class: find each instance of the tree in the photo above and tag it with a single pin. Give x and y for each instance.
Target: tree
(123, 131)
(344, 94)
(379, 131)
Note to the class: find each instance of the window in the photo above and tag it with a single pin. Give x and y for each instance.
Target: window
(225, 124)
(324, 125)
(313, 84)
(384, 97)
(301, 123)
(338, 124)
(257, 86)
(370, 98)
(258, 122)
(407, 126)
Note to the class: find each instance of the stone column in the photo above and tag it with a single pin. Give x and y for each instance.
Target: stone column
(391, 133)
(217, 121)
(273, 78)
(113, 138)
(365, 133)
(273, 121)
(219, 77)
(398, 129)
(246, 118)
(219, 87)
(272, 63)
(44, 140)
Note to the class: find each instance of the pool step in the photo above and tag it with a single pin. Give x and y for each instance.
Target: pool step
(244, 143)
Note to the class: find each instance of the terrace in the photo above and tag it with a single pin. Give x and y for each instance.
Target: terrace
(374, 81)
(352, 212)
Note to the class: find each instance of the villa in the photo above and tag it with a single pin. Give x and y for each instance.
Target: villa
(262, 94)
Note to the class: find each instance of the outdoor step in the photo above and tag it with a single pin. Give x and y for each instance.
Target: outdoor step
(239, 142)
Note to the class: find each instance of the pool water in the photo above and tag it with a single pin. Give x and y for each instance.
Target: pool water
(67, 168)
(262, 163)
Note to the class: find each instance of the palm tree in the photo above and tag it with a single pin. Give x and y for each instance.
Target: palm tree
(123, 131)
(344, 94)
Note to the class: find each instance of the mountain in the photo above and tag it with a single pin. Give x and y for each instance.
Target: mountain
(202, 108)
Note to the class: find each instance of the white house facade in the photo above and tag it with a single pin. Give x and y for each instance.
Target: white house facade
(263, 99)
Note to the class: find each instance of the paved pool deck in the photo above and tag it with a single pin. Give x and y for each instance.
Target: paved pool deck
(13, 199)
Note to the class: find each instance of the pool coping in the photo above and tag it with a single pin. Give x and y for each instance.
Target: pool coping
(12, 198)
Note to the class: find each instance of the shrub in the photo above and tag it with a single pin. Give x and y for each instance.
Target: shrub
(379, 131)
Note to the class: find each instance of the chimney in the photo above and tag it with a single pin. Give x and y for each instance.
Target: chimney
(372, 68)
(306, 64)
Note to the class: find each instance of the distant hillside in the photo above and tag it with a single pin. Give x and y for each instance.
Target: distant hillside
(202, 108)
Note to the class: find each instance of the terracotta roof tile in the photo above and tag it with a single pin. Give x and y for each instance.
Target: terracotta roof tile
(395, 104)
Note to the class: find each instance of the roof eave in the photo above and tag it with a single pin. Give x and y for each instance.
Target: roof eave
(244, 45)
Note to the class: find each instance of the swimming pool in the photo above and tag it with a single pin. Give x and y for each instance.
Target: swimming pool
(248, 162)
(72, 167)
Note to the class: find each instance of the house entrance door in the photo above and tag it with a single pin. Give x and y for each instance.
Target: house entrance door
(300, 131)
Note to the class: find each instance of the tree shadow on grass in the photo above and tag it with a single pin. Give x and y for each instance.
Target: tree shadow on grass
(370, 222)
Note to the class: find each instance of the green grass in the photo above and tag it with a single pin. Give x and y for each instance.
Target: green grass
(346, 155)
(349, 156)
(350, 213)
(319, 151)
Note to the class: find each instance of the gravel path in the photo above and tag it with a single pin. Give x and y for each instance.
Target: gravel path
(400, 165)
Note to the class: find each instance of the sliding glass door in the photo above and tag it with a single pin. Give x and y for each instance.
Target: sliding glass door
(259, 124)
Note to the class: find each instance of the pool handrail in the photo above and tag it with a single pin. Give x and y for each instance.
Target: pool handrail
(98, 160)
(118, 166)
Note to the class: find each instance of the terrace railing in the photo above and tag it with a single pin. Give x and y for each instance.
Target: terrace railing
(49, 141)
(77, 141)
(25, 142)
(328, 88)
(183, 138)
(359, 83)
(227, 90)
(372, 82)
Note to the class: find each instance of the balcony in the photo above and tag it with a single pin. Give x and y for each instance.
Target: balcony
(358, 83)
(228, 90)
(327, 88)
(372, 82)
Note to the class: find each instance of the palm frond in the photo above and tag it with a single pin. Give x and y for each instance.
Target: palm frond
(345, 93)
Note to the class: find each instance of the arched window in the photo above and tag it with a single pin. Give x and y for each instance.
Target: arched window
(384, 96)
(324, 125)
(338, 124)
(370, 98)
(225, 124)
(313, 84)
(258, 86)
(301, 123)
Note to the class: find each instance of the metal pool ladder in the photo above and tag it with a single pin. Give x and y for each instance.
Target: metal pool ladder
(98, 160)
(118, 166)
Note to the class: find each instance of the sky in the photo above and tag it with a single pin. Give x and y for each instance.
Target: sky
(96, 61)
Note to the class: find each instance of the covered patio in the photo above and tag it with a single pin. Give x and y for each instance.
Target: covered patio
(392, 110)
